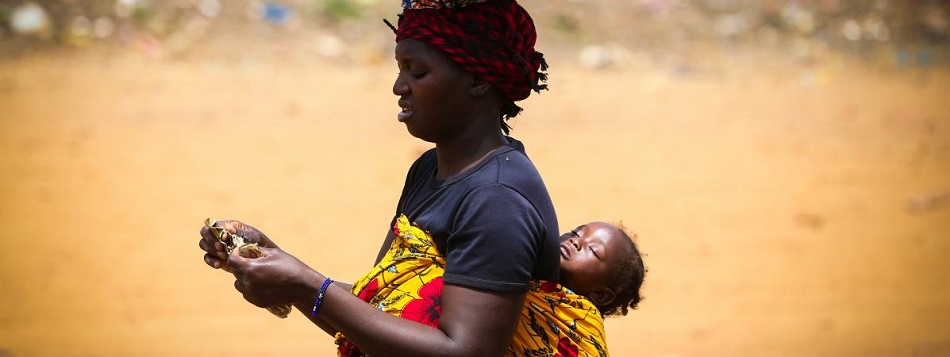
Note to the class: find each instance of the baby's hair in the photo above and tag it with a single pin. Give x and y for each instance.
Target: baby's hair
(629, 279)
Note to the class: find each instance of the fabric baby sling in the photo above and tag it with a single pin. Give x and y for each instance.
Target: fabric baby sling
(407, 282)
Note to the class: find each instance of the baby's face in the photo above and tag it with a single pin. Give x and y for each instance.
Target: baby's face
(590, 255)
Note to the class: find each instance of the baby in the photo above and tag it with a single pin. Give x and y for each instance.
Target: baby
(601, 275)
(601, 261)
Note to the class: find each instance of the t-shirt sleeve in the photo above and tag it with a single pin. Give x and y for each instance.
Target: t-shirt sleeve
(495, 241)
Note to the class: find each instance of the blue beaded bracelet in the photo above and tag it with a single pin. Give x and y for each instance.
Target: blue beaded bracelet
(320, 294)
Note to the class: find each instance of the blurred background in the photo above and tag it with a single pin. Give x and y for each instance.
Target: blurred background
(786, 165)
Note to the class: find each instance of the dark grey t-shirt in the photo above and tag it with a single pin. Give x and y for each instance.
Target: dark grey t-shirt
(494, 224)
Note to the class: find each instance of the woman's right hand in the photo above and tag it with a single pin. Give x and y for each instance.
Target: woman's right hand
(215, 254)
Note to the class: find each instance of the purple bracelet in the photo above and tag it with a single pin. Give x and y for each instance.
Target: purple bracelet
(320, 294)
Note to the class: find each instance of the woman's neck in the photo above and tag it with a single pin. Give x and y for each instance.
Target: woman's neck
(463, 154)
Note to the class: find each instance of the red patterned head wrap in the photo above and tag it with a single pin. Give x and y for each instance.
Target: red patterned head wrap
(493, 40)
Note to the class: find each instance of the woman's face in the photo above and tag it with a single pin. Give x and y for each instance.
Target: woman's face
(433, 92)
(590, 254)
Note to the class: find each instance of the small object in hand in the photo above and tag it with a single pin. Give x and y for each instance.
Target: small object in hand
(245, 249)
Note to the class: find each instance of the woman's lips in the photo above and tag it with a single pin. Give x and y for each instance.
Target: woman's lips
(405, 111)
(404, 114)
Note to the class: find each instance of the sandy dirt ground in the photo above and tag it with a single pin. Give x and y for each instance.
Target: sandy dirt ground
(783, 212)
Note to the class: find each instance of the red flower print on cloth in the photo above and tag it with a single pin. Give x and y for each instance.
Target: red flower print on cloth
(565, 348)
(369, 291)
(428, 308)
(548, 287)
(347, 349)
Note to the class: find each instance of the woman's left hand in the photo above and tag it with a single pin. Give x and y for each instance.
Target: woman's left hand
(276, 279)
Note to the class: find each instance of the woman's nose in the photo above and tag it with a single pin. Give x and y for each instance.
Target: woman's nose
(399, 86)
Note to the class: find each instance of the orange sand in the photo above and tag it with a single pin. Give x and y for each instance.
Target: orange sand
(773, 204)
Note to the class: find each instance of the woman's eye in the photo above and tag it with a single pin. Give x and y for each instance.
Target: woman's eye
(417, 74)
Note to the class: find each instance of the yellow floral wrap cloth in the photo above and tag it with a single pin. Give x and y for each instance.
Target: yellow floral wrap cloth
(407, 282)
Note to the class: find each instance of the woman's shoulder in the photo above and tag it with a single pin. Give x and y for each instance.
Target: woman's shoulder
(516, 168)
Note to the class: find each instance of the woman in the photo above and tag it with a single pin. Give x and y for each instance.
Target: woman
(461, 68)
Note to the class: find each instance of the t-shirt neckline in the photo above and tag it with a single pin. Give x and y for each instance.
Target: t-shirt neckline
(510, 146)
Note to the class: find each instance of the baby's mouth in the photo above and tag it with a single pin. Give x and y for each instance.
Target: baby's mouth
(565, 251)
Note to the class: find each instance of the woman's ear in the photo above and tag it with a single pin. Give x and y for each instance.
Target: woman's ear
(479, 87)
(602, 297)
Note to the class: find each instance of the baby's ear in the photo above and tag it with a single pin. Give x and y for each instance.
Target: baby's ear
(602, 297)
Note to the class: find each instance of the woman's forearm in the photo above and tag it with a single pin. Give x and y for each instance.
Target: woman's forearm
(307, 311)
(472, 323)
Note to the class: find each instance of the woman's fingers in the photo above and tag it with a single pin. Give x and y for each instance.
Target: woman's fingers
(209, 243)
(212, 261)
(215, 248)
(215, 255)
(205, 246)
